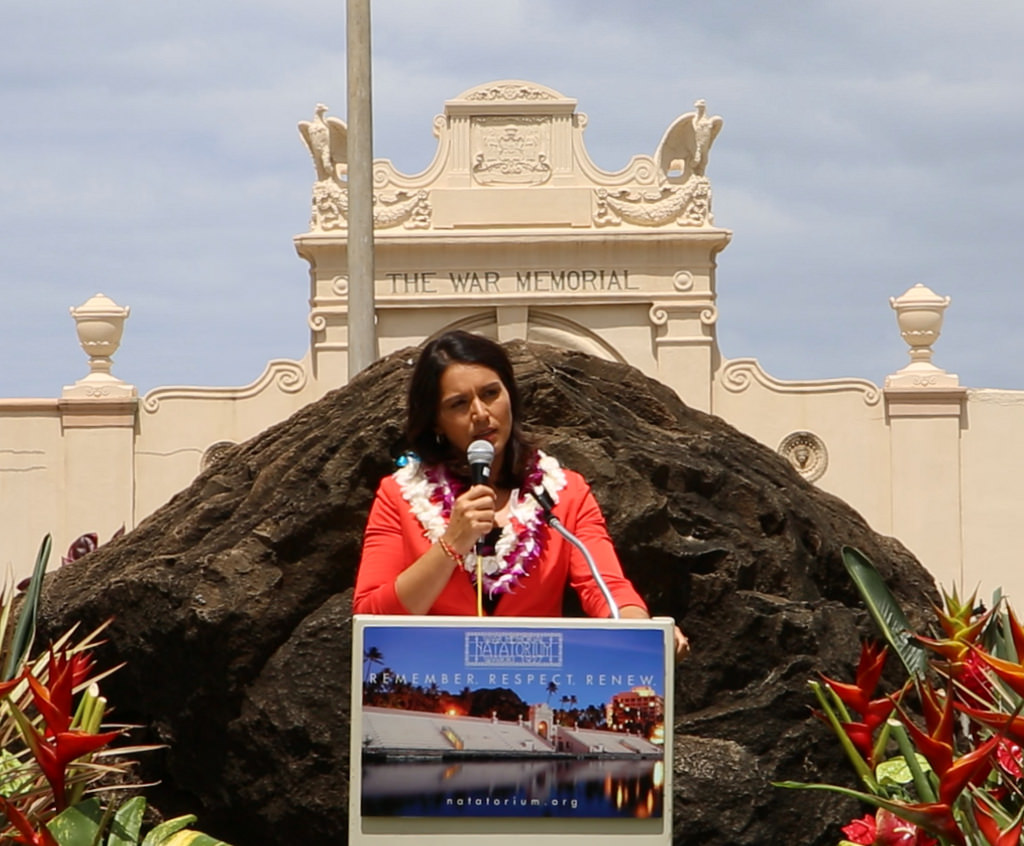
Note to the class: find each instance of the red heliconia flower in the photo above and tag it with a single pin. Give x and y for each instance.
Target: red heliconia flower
(962, 629)
(936, 745)
(861, 736)
(989, 827)
(1016, 632)
(54, 753)
(1009, 672)
(7, 686)
(59, 745)
(19, 822)
(857, 696)
(1008, 724)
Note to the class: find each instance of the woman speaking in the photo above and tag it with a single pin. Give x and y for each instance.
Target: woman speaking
(436, 543)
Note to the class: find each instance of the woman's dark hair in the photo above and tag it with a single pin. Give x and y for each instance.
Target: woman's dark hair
(458, 347)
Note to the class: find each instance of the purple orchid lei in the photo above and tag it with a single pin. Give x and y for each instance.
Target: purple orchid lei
(431, 493)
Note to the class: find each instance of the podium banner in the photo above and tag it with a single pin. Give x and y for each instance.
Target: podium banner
(511, 727)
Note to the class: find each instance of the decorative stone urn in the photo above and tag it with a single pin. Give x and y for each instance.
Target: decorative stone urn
(99, 322)
(919, 313)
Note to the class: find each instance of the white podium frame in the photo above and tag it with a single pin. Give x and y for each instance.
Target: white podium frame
(507, 830)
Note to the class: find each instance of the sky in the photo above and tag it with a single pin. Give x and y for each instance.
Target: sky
(149, 151)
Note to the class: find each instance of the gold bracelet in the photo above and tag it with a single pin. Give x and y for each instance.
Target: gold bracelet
(451, 553)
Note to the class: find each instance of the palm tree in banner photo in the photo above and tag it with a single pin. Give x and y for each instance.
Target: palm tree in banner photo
(370, 657)
(552, 689)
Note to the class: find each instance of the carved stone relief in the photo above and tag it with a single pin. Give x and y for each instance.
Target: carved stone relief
(687, 205)
(214, 453)
(411, 209)
(510, 91)
(511, 151)
(807, 453)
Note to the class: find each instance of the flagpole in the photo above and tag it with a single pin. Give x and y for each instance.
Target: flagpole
(362, 329)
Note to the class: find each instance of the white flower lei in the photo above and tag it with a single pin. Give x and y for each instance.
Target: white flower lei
(518, 546)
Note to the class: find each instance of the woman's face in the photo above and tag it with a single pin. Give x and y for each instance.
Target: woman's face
(474, 404)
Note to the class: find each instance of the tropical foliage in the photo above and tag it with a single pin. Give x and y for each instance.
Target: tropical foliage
(58, 770)
(939, 759)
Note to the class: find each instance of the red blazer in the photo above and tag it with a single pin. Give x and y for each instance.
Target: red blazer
(394, 538)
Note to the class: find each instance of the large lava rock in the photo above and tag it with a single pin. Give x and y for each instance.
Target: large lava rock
(232, 604)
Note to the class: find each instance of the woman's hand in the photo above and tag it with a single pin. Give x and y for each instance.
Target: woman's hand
(682, 643)
(472, 517)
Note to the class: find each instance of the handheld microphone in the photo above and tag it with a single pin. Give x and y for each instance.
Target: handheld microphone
(480, 455)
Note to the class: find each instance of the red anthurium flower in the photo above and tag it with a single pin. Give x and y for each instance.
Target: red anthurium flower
(1010, 758)
(974, 679)
(861, 831)
(26, 834)
(893, 831)
(989, 827)
(933, 818)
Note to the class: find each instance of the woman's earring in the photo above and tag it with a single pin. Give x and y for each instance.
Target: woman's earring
(438, 438)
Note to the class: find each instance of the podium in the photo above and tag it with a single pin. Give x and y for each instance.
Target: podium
(539, 730)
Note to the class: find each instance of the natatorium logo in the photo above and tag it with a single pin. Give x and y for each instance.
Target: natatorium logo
(513, 649)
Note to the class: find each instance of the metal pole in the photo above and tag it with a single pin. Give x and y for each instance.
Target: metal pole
(362, 329)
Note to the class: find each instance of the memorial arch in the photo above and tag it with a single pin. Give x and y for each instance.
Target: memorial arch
(513, 231)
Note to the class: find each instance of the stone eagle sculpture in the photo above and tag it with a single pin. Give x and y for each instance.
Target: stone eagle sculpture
(686, 143)
(327, 140)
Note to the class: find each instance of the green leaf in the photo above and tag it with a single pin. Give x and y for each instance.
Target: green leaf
(78, 825)
(124, 830)
(885, 611)
(25, 631)
(927, 817)
(896, 771)
(160, 834)
(193, 838)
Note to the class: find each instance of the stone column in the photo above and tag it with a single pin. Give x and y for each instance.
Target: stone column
(98, 414)
(925, 411)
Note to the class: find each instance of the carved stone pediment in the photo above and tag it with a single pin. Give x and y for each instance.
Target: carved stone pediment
(497, 140)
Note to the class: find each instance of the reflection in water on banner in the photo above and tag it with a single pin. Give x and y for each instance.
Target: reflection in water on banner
(514, 788)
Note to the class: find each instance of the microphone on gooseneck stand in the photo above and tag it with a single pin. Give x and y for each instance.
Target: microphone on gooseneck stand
(547, 505)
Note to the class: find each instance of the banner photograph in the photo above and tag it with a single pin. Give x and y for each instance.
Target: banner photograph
(474, 721)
